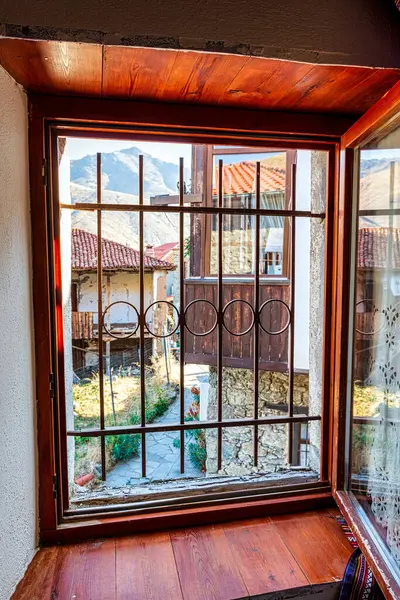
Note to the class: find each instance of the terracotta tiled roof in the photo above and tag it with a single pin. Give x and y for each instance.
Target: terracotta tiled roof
(114, 255)
(373, 246)
(163, 251)
(240, 178)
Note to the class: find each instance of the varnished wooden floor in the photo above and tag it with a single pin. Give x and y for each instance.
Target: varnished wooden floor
(236, 560)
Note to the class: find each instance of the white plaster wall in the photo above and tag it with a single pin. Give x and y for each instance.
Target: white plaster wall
(302, 262)
(18, 484)
(360, 32)
(123, 287)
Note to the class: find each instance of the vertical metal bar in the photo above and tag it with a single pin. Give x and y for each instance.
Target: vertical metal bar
(181, 314)
(292, 311)
(389, 266)
(391, 207)
(329, 314)
(142, 318)
(256, 306)
(220, 316)
(100, 319)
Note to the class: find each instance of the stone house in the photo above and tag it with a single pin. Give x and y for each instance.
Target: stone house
(120, 301)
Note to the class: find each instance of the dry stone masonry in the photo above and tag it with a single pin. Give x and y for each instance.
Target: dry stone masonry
(238, 402)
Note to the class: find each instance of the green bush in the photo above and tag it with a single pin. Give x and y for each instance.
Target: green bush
(197, 450)
(197, 437)
(118, 447)
(123, 446)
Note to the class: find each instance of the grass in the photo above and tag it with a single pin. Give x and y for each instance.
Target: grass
(126, 393)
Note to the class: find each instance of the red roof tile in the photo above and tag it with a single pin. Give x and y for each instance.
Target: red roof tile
(240, 178)
(373, 245)
(114, 255)
(163, 250)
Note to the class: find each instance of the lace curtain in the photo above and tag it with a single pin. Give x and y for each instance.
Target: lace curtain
(384, 380)
(384, 459)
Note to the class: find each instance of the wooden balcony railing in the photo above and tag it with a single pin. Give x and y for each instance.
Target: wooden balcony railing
(82, 326)
(237, 351)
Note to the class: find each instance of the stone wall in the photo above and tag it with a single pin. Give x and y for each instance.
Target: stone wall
(238, 402)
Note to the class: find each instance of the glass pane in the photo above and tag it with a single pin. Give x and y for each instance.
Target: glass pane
(238, 188)
(188, 322)
(375, 473)
(120, 168)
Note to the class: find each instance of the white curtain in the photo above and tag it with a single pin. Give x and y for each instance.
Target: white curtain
(384, 459)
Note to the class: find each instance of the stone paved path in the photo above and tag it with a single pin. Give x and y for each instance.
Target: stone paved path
(162, 458)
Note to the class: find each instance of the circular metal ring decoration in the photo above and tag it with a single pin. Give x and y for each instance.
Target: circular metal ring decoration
(158, 335)
(288, 313)
(376, 311)
(230, 303)
(215, 321)
(120, 336)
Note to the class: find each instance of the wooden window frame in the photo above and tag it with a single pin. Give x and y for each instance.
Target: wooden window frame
(208, 156)
(194, 124)
(380, 119)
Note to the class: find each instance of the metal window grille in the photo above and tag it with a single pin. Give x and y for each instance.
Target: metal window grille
(220, 212)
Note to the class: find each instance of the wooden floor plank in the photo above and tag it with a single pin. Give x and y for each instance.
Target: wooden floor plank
(85, 571)
(98, 578)
(206, 566)
(38, 581)
(68, 572)
(264, 561)
(318, 544)
(220, 562)
(145, 568)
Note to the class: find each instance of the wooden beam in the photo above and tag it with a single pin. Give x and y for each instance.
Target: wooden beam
(379, 115)
(200, 118)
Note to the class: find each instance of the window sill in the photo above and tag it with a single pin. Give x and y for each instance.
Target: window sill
(73, 530)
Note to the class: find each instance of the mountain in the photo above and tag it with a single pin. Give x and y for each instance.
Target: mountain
(375, 192)
(123, 226)
(120, 173)
(372, 165)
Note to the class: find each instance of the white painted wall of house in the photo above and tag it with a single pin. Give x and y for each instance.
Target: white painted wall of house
(124, 286)
(302, 263)
(18, 480)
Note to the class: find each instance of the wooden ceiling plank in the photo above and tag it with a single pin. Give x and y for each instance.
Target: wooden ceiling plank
(135, 72)
(71, 68)
(362, 97)
(283, 79)
(54, 67)
(336, 84)
(339, 98)
(246, 88)
(179, 85)
(201, 77)
(317, 77)
(215, 76)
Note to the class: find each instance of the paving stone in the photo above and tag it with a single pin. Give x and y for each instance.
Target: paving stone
(163, 458)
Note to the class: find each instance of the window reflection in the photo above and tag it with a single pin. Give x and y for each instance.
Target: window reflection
(376, 364)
